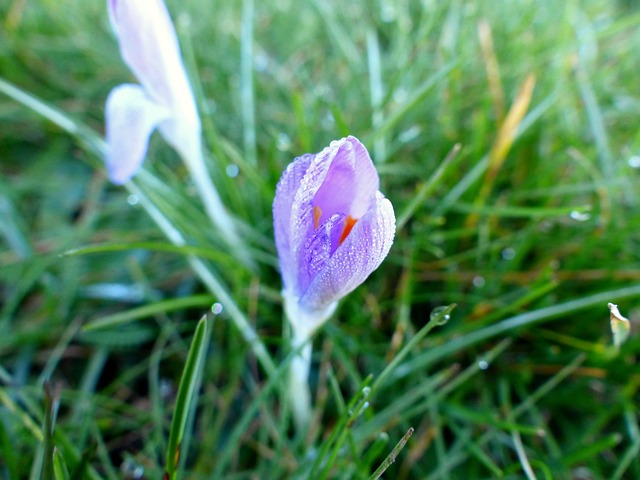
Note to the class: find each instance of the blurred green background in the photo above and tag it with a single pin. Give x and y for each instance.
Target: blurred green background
(531, 227)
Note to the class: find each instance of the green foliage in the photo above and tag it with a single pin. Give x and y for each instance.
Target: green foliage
(505, 133)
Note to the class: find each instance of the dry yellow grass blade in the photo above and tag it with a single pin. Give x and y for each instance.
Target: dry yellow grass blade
(504, 141)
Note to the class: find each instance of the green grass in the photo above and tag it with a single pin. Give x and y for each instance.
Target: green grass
(530, 227)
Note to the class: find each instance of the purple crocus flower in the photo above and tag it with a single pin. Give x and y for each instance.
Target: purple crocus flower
(332, 229)
(164, 98)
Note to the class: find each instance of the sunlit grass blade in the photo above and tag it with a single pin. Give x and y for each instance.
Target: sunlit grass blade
(145, 311)
(60, 470)
(506, 136)
(189, 381)
(392, 456)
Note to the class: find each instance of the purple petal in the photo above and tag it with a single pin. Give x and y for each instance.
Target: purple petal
(350, 183)
(318, 249)
(284, 225)
(149, 46)
(131, 117)
(360, 254)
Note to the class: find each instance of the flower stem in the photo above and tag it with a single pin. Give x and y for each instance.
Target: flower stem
(304, 324)
(214, 207)
(299, 392)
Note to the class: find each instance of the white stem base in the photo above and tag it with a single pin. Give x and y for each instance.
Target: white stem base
(304, 324)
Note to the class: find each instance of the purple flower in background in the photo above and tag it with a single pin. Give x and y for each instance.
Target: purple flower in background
(164, 99)
(332, 228)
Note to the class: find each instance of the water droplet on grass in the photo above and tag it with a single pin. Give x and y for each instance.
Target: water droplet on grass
(438, 317)
(580, 216)
(483, 364)
(634, 161)
(217, 308)
(232, 170)
(478, 281)
(133, 199)
(508, 253)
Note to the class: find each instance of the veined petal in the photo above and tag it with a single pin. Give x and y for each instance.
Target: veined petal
(350, 182)
(317, 250)
(149, 46)
(359, 255)
(284, 224)
(131, 117)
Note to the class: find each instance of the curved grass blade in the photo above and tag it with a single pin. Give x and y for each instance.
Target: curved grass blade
(190, 379)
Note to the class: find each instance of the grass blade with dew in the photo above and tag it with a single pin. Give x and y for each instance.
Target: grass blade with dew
(439, 316)
(339, 435)
(190, 379)
(392, 456)
(145, 311)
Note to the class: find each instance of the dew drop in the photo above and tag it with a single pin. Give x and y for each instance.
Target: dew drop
(478, 281)
(579, 216)
(437, 315)
(366, 391)
(216, 308)
(634, 161)
(232, 170)
(508, 253)
(261, 62)
(131, 470)
(483, 364)
(283, 142)
(133, 199)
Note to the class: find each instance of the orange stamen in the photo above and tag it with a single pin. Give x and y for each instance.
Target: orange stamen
(348, 225)
(317, 213)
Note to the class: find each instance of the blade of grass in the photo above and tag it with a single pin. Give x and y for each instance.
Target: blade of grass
(428, 187)
(246, 82)
(51, 399)
(145, 311)
(392, 456)
(516, 322)
(188, 382)
(60, 470)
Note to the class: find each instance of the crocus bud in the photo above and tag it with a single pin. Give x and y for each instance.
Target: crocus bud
(332, 229)
(163, 100)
